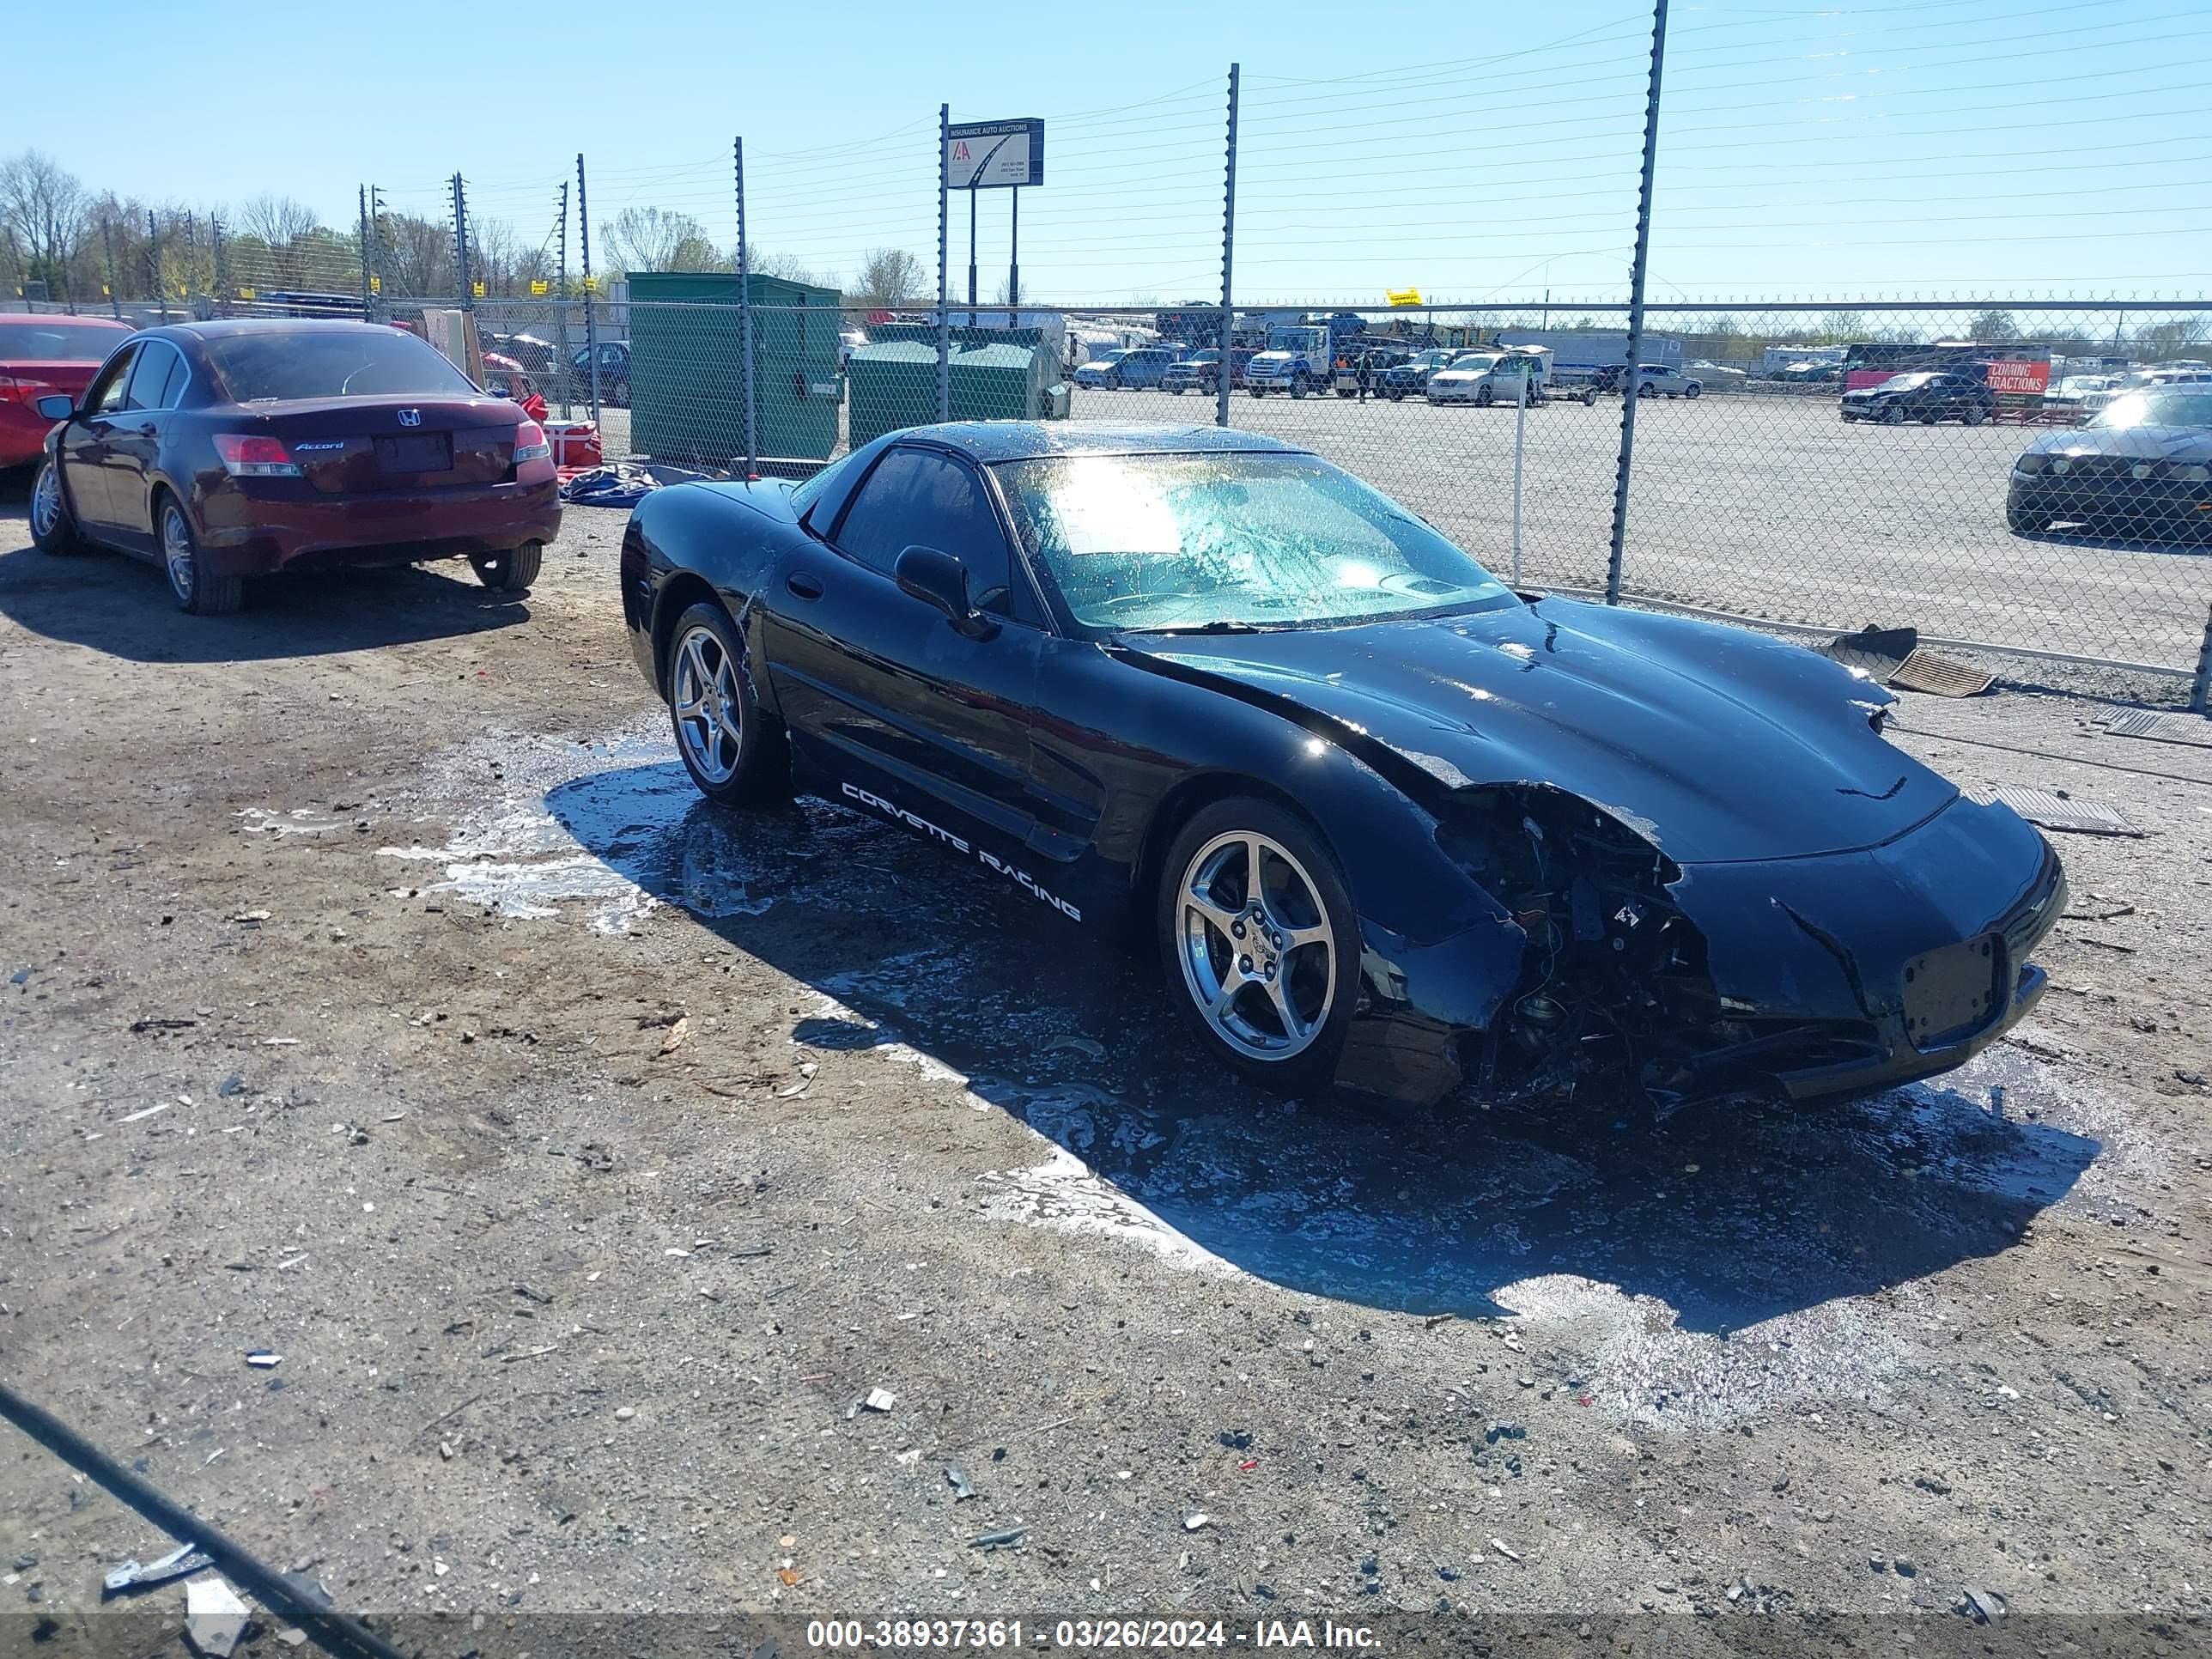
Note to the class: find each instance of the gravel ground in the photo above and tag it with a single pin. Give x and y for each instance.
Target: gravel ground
(383, 997)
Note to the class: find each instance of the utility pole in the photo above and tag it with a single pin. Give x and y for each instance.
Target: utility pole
(746, 313)
(221, 275)
(1629, 384)
(591, 311)
(1228, 259)
(364, 254)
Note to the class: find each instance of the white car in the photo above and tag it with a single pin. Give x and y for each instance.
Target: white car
(1656, 380)
(2164, 375)
(1483, 377)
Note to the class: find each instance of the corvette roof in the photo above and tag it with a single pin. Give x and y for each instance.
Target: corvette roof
(1021, 440)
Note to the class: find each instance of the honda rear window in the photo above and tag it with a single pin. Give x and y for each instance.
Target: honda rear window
(43, 343)
(343, 362)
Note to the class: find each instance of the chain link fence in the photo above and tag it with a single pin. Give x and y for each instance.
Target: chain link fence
(2019, 480)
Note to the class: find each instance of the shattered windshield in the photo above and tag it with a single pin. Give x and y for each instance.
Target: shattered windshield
(1234, 540)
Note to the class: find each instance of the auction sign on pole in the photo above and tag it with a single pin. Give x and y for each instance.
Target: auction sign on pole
(994, 155)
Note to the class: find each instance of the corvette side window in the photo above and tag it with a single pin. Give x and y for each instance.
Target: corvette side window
(917, 498)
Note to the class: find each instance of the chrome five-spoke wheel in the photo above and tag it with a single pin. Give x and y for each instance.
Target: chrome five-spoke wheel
(709, 705)
(47, 502)
(1258, 954)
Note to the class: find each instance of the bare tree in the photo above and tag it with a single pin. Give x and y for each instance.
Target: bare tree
(48, 214)
(277, 219)
(416, 257)
(647, 239)
(889, 278)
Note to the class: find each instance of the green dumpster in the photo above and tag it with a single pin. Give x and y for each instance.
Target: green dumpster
(894, 385)
(687, 366)
(1000, 383)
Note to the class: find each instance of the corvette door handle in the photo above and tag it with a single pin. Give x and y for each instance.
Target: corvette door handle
(803, 584)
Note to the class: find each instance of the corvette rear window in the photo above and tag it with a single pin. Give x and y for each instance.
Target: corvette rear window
(339, 362)
(1186, 541)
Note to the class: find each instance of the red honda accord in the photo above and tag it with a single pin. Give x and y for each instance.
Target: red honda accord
(232, 448)
(40, 356)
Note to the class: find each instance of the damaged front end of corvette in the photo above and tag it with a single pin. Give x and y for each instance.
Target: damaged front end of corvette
(1611, 970)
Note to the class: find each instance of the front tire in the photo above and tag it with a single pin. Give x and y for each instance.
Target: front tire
(723, 737)
(1692, 389)
(53, 526)
(1972, 415)
(1483, 397)
(1893, 415)
(2024, 520)
(198, 590)
(511, 572)
(1259, 942)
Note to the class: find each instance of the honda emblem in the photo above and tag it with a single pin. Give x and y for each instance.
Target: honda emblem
(411, 417)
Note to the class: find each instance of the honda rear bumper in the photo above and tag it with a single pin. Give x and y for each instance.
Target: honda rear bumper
(261, 526)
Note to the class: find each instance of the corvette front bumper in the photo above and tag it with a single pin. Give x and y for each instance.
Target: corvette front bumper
(1836, 974)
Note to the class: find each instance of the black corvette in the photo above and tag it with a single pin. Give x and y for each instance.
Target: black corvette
(1387, 823)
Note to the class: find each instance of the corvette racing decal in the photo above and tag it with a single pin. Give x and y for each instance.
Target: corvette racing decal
(1021, 878)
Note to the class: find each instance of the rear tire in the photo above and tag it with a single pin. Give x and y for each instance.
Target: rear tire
(1304, 921)
(513, 571)
(198, 590)
(1483, 397)
(53, 526)
(1972, 415)
(1691, 390)
(1893, 415)
(725, 742)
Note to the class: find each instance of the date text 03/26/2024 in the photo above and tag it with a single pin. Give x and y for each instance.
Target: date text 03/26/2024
(1097, 1634)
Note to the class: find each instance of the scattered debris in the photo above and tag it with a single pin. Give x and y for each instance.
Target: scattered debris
(146, 1111)
(957, 1478)
(1005, 1539)
(1499, 1544)
(1082, 1045)
(139, 1027)
(624, 1414)
(292, 1636)
(1986, 1607)
(677, 1033)
(1505, 1429)
(252, 918)
(1894, 656)
(2058, 810)
(215, 1619)
(805, 1081)
(1196, 1520)
(184, 1559)
(232, 1084)
(879, 1400)
(2157, 726)
(262, 1360)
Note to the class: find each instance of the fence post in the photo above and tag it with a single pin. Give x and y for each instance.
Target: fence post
(107, 241)
(1519, 447)
(560, 309)
(2200, 692)
(944, 271)
(1228, 259)
(745, 316)
(364, 254)
(591, 311)
(1629, 380)
(221, 276)
(461, 246)
(154, 264)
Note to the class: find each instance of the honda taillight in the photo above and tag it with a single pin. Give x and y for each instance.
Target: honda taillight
(530, 443)
(249, 455)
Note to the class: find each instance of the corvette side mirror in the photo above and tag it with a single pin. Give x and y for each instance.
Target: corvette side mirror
(55, 406)
(941, 580)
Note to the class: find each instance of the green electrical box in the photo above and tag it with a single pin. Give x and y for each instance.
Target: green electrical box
(894, 387)
(687, 374)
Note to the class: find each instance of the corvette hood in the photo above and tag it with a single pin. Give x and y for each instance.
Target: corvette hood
(1719, 744)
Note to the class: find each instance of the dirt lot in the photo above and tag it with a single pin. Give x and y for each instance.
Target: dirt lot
(383, 997)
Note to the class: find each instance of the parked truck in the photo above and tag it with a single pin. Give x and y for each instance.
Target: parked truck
(1296, 360)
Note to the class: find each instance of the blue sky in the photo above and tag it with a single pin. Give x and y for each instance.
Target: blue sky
(1932, 148)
